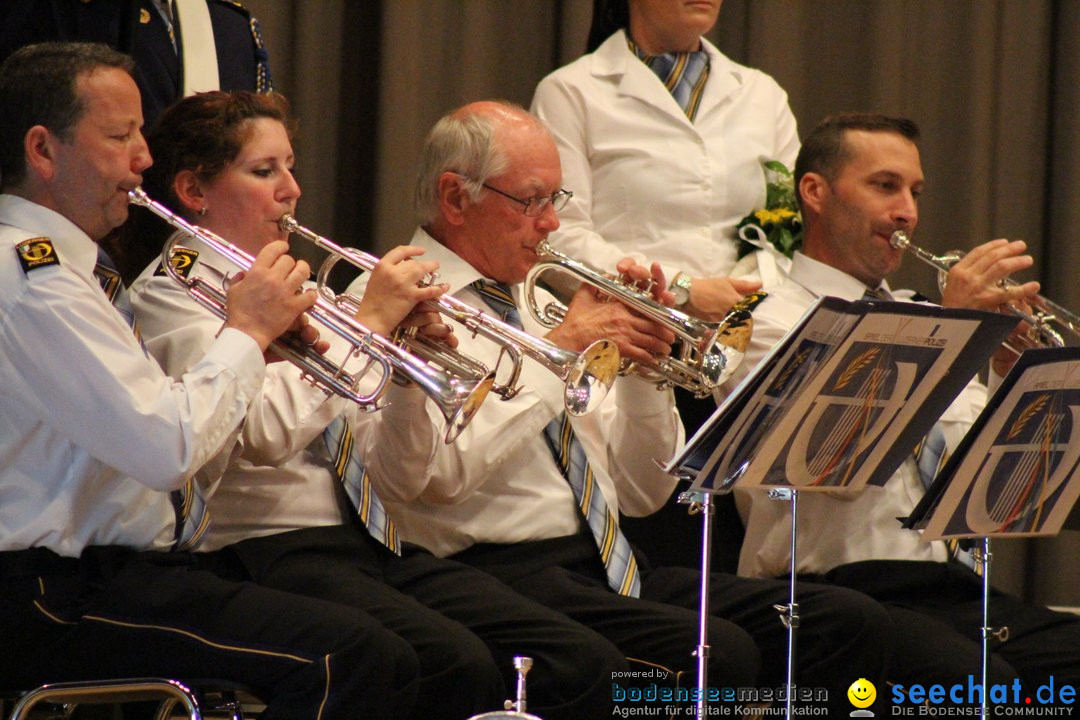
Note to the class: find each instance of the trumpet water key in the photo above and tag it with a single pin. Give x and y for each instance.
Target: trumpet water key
(704, 355)
(1047, 321)
(587, 376)
(458, 399)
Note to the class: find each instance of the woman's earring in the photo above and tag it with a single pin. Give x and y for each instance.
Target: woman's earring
(202, 211)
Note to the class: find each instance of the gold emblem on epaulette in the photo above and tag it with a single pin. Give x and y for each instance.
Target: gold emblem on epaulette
(182, 260)
(36, 253)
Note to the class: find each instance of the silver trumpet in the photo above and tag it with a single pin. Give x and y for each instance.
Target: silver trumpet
(1046, 320)
(704, 355)
(458, 399)
(587, 376)
(513, 710)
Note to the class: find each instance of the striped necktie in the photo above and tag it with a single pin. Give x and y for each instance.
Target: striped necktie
(189, 503)
(620, 566)
(357, 483)
(684, 74)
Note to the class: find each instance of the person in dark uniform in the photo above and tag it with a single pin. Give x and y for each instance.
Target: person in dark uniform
(152, 32)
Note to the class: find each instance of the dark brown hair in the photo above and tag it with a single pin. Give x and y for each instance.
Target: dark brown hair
(203, 133)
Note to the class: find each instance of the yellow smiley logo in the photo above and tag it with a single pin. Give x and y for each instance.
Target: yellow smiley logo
(862, 693)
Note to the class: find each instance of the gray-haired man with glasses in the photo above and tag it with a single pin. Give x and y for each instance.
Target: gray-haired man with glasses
(533, 497)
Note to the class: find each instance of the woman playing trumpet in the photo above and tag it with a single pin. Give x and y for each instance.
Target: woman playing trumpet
(281, 515)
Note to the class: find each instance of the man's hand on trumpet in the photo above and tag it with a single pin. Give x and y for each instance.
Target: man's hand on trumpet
(396, 288)
(591, 318)
(978, 280)
(647, 279)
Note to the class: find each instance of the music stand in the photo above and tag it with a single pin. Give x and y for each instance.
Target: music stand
(873, 376)
(1017, 471)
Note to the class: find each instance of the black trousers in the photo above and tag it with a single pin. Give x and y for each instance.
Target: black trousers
(464, 625)
(115, 613)
(936, 619)
(839, 641)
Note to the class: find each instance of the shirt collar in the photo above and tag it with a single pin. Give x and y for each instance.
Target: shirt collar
(821, 279)
(453, 270)
(74, 247)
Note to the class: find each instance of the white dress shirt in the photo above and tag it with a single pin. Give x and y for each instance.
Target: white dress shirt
(280, 477)
(498, 483)
(648, 182)
(834, 530)
(91, 430)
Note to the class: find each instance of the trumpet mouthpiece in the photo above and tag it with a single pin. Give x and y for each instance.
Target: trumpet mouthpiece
(287, 223)
(137, 196)
(899, 240)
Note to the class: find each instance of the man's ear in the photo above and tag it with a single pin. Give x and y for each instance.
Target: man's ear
(453, 198)
(189, 191)
(40, 151)
(813, 189)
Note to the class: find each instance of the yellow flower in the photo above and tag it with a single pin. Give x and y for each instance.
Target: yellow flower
(773, 217)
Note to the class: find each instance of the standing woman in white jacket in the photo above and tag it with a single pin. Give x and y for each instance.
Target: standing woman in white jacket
(666, 170)
(667, 173)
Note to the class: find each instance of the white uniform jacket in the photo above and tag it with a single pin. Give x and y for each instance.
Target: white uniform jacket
(498, 483)
(647, 181)
(92, 432)
(280, 477)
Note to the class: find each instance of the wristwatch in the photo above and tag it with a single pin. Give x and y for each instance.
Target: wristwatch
(680, 287)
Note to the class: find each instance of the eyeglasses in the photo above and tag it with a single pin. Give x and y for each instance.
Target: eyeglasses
(534, 206)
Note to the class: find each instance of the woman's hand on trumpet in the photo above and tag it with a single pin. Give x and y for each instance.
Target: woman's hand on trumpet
(267, 300)
(979, 279)
(396, 287)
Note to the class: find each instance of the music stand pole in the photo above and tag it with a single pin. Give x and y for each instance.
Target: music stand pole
(789, 614)
(983, 559)
(702, 651)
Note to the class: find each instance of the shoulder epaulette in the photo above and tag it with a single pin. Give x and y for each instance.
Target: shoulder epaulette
(182, 260)
(36, 253)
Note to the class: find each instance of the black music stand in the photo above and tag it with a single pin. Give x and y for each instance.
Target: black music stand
(1017, 471)
(871, 376)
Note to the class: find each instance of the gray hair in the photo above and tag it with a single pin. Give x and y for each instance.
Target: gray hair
(463, 143)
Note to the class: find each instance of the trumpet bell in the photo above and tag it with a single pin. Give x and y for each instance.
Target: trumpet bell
(728, 350)
(459, 403)
(590, 377)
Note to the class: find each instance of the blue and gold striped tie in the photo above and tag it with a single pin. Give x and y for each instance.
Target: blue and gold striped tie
(684, 75)
(189, 503)
(620, 565)
(350, 471)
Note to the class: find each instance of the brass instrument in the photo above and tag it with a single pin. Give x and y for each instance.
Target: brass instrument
(1046, 319)
(705, 354)
(587, 375)
(513, 710)
(458, 399)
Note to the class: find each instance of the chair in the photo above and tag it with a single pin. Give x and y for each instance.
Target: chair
(168, 693)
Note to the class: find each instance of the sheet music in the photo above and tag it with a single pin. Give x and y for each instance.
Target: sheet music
(843, 398)
(1016, 471)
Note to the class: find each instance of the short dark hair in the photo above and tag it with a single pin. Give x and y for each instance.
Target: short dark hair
(825, 150)
(37, 87)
